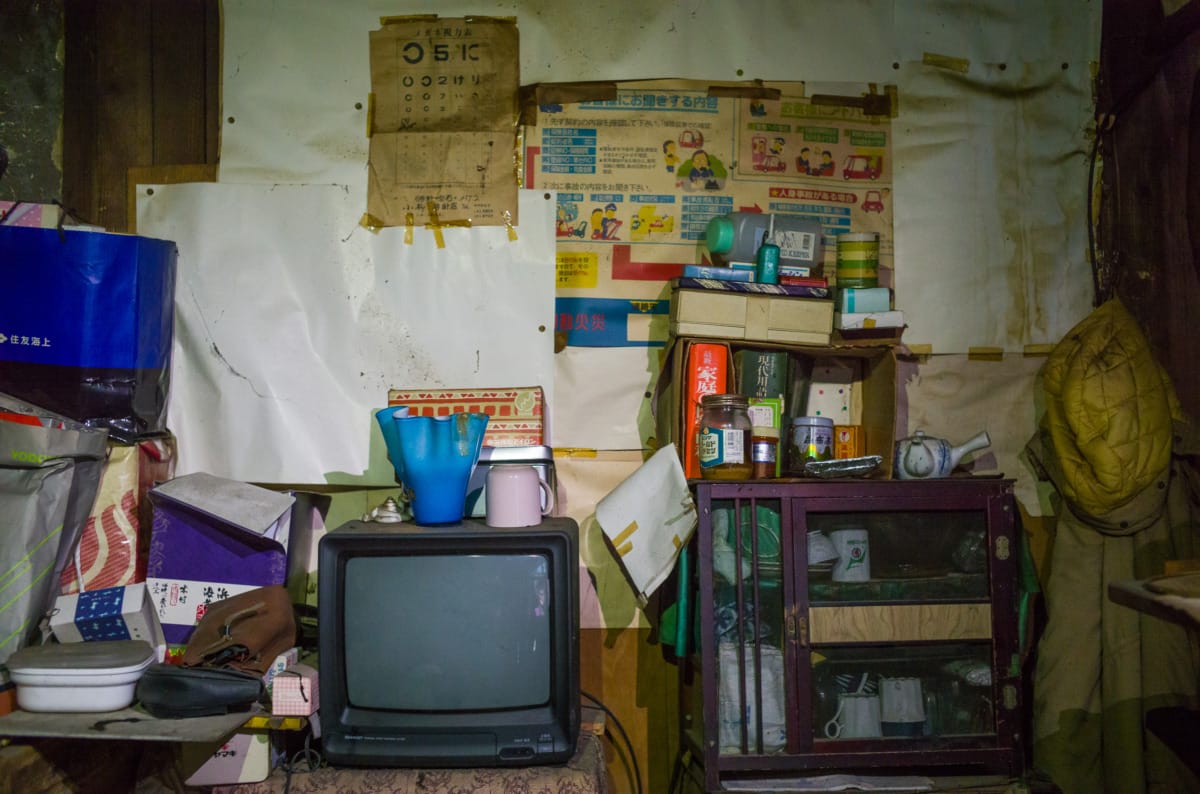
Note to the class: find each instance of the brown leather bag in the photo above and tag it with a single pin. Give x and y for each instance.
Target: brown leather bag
(244, 632)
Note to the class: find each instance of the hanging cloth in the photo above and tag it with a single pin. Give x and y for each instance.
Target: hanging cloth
(1128, 504)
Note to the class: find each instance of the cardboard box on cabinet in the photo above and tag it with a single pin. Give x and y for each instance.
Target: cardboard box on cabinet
(309, 512)
(871, 327)
(751, 312)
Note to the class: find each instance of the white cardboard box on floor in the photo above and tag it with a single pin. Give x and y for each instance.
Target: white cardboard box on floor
(243, 758)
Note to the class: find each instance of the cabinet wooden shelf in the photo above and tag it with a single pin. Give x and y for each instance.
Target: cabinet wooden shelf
(939, 613)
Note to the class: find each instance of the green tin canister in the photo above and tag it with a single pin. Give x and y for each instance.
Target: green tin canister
(858, 260)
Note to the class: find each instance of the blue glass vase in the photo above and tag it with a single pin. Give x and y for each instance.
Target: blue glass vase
(391, 436)
(434, 457)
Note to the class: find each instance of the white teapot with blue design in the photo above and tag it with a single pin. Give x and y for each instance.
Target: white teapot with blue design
(922, 457)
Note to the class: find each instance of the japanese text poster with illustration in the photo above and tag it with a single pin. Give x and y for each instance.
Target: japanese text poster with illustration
(639, 176)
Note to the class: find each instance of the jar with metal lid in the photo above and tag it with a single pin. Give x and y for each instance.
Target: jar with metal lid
(765, 453)
(811, 439)
(723, 441)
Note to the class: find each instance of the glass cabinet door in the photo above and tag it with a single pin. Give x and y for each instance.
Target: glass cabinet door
(902, 692)
(748, 610)
(897, 556)
(899, 620)
(856, 625)
(839, 619)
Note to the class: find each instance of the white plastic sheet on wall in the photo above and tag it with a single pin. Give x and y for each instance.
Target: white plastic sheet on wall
(612, 412)
(296, 79)
(292, 322)
(990, 144)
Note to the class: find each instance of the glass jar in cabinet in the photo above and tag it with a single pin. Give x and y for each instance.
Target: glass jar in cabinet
(723, 442)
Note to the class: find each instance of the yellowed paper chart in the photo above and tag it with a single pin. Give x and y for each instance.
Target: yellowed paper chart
(443, 122)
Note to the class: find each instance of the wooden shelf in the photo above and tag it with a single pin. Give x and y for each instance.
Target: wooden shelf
(1176, 726)
(129, 723)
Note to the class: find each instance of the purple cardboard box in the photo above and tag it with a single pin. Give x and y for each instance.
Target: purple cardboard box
(210, 539)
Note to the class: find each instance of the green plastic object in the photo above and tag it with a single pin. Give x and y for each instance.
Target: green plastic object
(718, 234)
(675, 622)
(682, 604)
(766, 270)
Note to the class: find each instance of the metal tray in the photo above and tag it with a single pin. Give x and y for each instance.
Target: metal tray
(844, 467)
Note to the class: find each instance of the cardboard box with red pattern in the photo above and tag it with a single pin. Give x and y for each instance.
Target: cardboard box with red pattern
(115, 543)
(516, 416)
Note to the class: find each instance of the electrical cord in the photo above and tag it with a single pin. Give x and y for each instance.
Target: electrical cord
(683, 760)
(307, 759)
(637, 773)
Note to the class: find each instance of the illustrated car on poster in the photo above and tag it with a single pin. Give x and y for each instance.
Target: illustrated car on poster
(771, 163)
(862, 166)
(872, 202)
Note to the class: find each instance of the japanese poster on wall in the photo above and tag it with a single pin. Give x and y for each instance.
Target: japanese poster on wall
(443, 122)
(639, 176)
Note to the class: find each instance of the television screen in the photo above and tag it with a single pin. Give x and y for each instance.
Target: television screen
(451, 645)
(446, 625)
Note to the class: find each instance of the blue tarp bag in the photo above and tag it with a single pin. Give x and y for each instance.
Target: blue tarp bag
(86, 326)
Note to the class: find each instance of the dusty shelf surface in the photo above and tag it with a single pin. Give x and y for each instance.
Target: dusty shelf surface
(128, 723)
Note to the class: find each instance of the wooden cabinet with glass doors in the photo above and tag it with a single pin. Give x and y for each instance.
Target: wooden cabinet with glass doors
(864, 626)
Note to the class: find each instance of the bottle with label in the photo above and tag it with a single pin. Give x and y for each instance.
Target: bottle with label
(723, 442)
(765, 441)
(766, 267)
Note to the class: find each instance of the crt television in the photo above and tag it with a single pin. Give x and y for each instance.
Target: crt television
(449, 645)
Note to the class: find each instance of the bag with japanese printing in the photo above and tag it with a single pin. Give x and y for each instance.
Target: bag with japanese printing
(89, 325)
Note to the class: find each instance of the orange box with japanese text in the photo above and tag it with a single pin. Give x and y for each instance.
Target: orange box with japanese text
(690, 370)
(707, 373)
(847, 442)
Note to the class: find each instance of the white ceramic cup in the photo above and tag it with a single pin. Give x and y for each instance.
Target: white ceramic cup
(854, 559)
(516, 496)
(901, 706)
(820, 548)
(857, 717)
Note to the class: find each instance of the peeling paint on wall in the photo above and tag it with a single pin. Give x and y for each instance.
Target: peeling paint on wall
(31, 99)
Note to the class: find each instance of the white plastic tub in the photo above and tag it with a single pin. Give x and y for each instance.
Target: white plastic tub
(79, 676)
